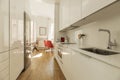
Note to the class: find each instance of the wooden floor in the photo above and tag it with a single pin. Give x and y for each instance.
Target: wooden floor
(43, 67)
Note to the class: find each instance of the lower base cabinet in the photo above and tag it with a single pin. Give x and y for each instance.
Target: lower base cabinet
(4, 66)
(101, 71)
(78, 66)
(66, 59)
(85, 67)
(16, 63)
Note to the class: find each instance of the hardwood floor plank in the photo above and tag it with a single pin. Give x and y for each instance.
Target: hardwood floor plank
(43, 67)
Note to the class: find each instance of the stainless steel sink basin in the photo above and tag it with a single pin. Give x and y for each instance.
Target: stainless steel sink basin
(67, 43)
(100, 51)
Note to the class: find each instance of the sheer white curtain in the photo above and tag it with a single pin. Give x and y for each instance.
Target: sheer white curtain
(51, 32)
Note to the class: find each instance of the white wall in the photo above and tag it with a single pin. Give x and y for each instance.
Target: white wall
(42, 8)
(42, 15)
(109, 18)
(27, 7)
(40, 21)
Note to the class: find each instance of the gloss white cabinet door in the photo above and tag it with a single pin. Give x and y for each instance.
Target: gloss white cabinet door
(16, 23)
(80, 66)
(66, 59)
(91, 6)
(16, 63)
(16, 38)
(85, 67)
(64, 14)
(4, 25)
(75, 10)
(98, 70)
(4, 66)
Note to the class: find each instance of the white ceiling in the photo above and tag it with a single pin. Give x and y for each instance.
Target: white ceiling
(42, 8)
(50, 1)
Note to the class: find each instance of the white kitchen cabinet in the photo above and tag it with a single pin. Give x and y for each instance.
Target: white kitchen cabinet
(66, 59)
(4, 74)
(4, 39)
(91, 6)
(16, 63)
(58, 58)
(80, 66)
(85, 67)
(64, 14)
(4, 66)
(16, 23)
(75, 10)
(70, 12)
(16, 38)
(4, 25)
(99, 70)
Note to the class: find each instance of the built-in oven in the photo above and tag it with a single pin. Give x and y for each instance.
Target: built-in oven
(59, 53)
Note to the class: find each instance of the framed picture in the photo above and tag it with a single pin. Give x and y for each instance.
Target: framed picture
(42, 31)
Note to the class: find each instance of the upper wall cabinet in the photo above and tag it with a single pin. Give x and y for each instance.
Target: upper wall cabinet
(4, 25)
(75, 10)
(91, 6)
(72, 11)
(64, 14)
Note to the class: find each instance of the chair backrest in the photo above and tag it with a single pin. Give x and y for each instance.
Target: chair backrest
(49, 44)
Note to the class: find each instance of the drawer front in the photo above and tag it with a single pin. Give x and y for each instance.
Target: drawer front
(4, 73)
(4, 56)
(4, 65)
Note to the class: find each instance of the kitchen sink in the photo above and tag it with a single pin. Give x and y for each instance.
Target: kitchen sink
(67, 43)
(100, 51)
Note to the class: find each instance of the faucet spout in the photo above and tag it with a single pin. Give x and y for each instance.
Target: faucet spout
(110, 43)
(105, 30)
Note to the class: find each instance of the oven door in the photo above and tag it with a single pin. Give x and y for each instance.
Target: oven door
(59, 53)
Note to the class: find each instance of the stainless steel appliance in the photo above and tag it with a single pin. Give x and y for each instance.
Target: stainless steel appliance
(59, 53)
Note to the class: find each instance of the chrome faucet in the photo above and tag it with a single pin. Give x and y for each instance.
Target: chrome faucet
(110, 43)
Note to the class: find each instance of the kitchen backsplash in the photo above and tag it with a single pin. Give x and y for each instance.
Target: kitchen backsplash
(109, 20)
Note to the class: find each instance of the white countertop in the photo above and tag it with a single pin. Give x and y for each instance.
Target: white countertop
(113, 60)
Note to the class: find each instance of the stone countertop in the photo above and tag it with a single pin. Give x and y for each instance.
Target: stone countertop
(113, 60)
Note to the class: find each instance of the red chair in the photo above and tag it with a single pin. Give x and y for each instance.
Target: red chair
(48, 44)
